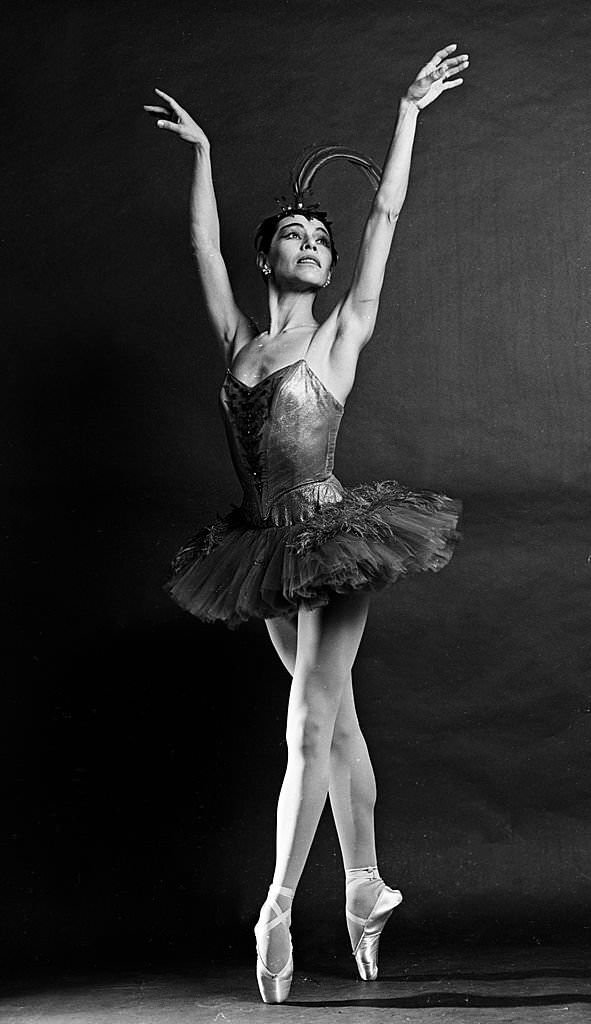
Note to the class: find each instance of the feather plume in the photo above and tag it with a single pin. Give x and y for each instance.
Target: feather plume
(313, 160)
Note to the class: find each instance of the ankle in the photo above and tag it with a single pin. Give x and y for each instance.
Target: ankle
(277, 903)
(362, 888)
(361, 882)
(357, 876)
(272, 929)
(280, 890)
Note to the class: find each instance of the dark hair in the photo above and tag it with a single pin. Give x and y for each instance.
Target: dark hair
(268, 227)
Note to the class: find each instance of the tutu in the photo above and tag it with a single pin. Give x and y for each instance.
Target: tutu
(233, 571)
(300, 536)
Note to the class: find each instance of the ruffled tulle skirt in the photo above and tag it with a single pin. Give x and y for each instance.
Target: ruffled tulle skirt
(233, 570)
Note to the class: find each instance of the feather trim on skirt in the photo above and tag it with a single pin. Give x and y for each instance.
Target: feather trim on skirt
(233, 571)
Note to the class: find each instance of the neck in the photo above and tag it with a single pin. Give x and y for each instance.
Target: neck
(288, 311)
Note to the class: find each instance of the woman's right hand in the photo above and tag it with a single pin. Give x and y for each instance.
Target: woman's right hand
(177, 120)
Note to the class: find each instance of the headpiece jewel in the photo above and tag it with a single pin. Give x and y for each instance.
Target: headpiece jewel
(302, 175)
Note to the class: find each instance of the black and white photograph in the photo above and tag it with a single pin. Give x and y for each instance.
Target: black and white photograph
(297, 648)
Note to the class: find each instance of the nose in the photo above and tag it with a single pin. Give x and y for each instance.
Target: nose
(309, 243)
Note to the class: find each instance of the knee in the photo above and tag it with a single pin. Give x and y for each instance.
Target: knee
(310, 726)
(307, 737)
(343, 738)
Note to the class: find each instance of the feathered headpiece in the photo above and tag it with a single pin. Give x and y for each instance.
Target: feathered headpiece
(312, 160)
(302, 176)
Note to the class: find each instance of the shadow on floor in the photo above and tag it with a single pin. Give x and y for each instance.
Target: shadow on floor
(449, 999)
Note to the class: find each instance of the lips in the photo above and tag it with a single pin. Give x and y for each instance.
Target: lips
(309, 259)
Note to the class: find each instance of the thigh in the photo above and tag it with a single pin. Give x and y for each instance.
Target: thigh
(327, 642)
(329, 637)
(346, 720)
(284, 637)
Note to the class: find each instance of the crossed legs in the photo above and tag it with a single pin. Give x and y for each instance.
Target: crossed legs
(352, 788)
(327, 753)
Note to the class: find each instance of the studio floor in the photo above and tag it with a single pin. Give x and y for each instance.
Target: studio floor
(476, 986)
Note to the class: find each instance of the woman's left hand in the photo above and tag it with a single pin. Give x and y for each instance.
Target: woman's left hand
(435, 76)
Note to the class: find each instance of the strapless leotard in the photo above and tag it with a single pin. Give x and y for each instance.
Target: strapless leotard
(299, 535)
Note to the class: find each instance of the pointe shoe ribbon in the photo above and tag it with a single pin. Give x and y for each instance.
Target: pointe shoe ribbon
(274, 988)
(366, 950)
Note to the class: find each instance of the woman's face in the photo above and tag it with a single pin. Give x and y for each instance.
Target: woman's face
(300, 254)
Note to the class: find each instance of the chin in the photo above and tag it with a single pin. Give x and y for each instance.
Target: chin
(301, 283)
(312, 278)
(309, 286)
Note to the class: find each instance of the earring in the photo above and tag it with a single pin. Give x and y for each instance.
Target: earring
(266, 270)
(327, 282)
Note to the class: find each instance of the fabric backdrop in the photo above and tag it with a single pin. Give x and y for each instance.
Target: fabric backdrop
(144, 751)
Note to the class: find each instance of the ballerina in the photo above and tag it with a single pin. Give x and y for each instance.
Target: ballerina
(303, 552)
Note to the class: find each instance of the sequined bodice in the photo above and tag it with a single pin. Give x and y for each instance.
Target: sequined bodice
(282, 435)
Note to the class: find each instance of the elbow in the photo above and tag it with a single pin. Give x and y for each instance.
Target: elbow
(387, 210)
(203, 245)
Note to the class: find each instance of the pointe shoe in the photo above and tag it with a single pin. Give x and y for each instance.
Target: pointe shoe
(274, 988)
(366, 950)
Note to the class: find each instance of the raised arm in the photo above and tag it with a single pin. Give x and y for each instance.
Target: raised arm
(227, 320)
(356, 315)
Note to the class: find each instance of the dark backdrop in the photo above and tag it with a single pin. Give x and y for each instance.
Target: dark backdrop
(143, 750)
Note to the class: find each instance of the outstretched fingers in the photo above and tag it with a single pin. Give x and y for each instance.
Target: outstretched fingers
(176, 107)
(436, 60)
(451, 66)
(174, 118)
(433, 78)
(442, 64)
(442, 54)
(173, 112)
(454, 64)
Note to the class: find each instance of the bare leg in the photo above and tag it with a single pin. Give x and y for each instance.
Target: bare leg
(283, 634)
(352, 785)
(327, 642)
(352, 794)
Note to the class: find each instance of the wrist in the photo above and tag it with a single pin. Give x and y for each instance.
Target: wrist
(408, 106)
(201, 148)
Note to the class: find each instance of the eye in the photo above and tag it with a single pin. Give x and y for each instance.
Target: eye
(323, 240)
(291, 234)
